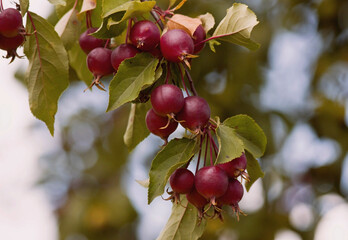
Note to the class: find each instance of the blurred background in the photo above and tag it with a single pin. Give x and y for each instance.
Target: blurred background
(80, 185)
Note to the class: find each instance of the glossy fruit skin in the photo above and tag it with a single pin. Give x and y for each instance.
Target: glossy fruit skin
(233, 195)
(195, 114)
(198, 36)
(122, 52)
(182, 181)
(196, 199)
(235, 167)
(211, 181)
(88, 42)
(154, 122)
(175, 44)
(167, 99)
(10, 22)
(145, 35)
(10, 44)
(99, 62)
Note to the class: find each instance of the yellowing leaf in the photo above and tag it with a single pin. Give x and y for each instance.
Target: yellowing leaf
(208, 21)
(237, 25)
(144, 183)
(24, 4)
(183, 223)
(47, 75)
(68, 28)
(58, 2)
(88, 5)
(183, 22)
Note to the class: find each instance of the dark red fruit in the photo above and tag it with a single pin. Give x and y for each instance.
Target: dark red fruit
(198, 36)
(145, 35)
(196, 199)
(158, 125)
(11, 22)
(211, 182)
(195, 114)
(156, 52)
(182, 181)
(236, 167)
(122, 52)
(11, 44)
(88, 42)
(99, 63)
(233, 194)
(167, 99)
(176, 45)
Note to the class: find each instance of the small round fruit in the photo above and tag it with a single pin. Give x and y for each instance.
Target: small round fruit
(176, 45)
(10, 22)
(88, 42)
(196, 199)
(145, 35)
(195, 114)
(236, 167)
(211, 182)
(12, 43)
(182, 181)
(122, 52)
(167, 99)
(99, 63)
(158, 124)
(198, 36)
(233, 195)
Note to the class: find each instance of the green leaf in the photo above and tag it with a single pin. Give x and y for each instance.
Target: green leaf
(133, 74)
(254, 170)
(183, 223)
(77, 60)
(58, 2)
(48, 71)
(237, 25)
(230, 146)
(24, 4)
(175, 154)
(106, 31)
(68, 28)
(249, 132)
(136, 129)
(128, 9)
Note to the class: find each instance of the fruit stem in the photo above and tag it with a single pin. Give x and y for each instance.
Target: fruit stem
(155, 16)
(213, 143)
(192, 86)
(213, 37)
(128, 29)
(183, 80)
(88, 19)
(200, 152)
(168, 73)
(206, 150)
(1, 6)
(210, 150)
(107, 43)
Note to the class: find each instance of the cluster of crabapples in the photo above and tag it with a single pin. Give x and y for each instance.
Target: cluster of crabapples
(174, 45)
(12, 31)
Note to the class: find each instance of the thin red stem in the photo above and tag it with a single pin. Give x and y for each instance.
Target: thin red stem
(183, 80)
(107, 43)
(192, 86)
(1, 6)
(206, 150)
(168, 73)
(36, 38)
(88, 19)
(128, 29)
(214, 37)
(200, 152)
(211, 152)
(213, 143)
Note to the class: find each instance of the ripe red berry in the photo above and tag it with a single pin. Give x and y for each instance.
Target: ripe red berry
(233, 195)
(236, 167)
(88, 42)
(176, 45)
(211, 182)
(197, 199)
(10, 45)
(158, 124)
(145, 35)
(198, 36)
(99, 63)
(10, 22)
(182, 181)
(195, 114)
(167, 99)
(122, 52)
